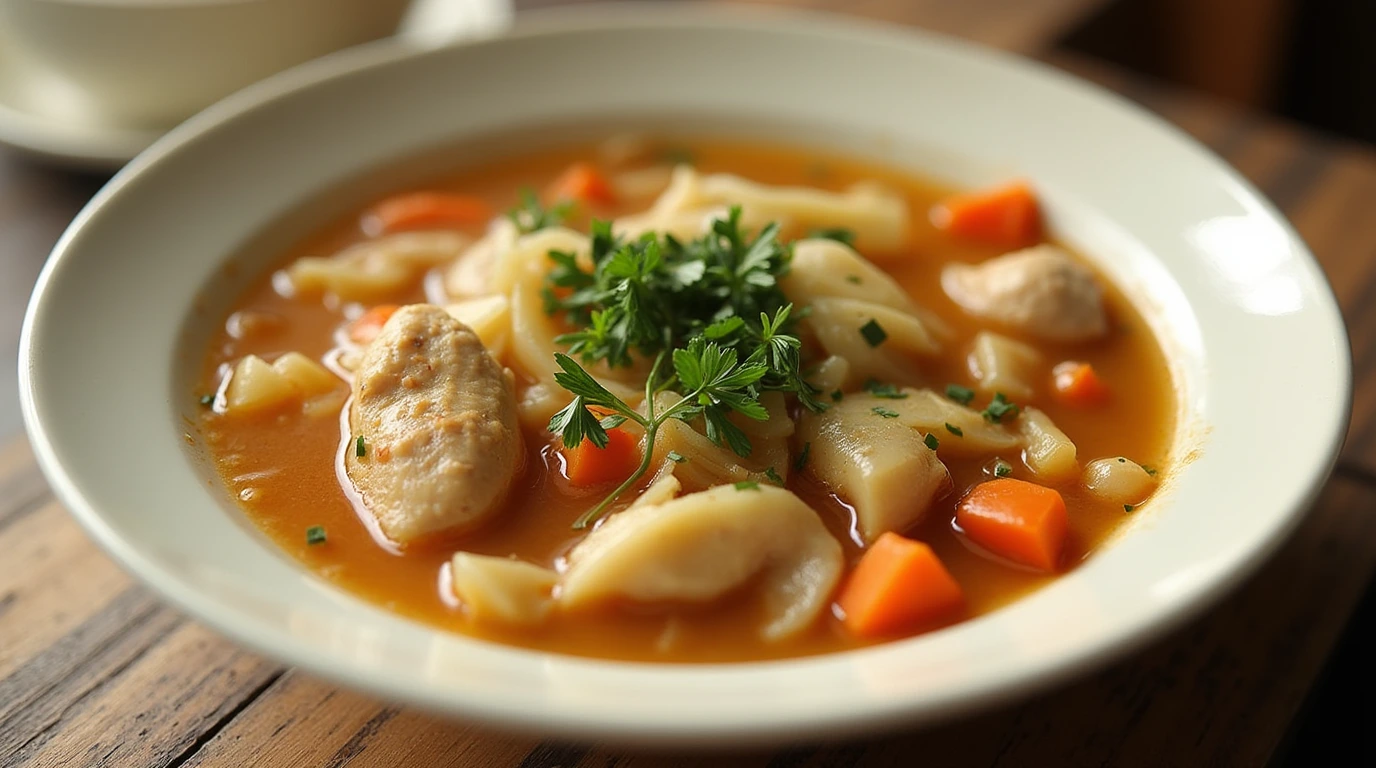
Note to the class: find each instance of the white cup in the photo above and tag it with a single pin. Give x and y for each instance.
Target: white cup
(152, 63)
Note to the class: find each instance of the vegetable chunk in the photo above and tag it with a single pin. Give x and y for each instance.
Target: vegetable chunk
(899, 584)
(1006, 216)
(1016, 520)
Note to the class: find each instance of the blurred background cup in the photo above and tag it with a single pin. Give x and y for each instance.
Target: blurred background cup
(153, 63)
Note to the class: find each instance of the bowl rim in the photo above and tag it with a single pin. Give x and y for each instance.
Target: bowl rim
(572, 20)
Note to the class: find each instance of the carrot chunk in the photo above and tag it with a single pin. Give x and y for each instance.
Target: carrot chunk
(369, 324)
(427, 210)
(1078, 384)
(589, 465)
(1006, 216)
(581, 183)
(1017, 520)
(897, 585)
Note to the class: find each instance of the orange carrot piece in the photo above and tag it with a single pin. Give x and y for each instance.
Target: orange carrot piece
(1078, 384)
(589, 465)
(428, 210)
(1016, 520)
(581, 183)
(898, 584)
(1006, 216)
(367, 326)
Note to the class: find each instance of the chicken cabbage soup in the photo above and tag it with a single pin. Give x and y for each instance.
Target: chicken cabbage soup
(699, 402)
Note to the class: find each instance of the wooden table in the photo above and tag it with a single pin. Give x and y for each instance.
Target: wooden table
(95, 671)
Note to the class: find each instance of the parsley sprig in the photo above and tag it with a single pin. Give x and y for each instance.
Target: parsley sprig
(714, 384)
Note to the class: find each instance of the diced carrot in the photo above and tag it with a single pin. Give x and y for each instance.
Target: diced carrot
(369, 324)
(589, 465)
(1006, 216)
(581, 183)
(898, 584)
(428, 210)
(1078, 384)
(1017, 520)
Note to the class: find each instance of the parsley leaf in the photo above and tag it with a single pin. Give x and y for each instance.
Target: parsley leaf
(531, 216)
(801, 462)
(953, 429)
(886, 391)
(675, 457)
(874, 333)
(839, 234)
(962, 395)
(1000, 408)
(885, 412)
(774, 477)
(360, 447)
(315, 535)
(1002, 468)
(747, 485)
(931, 441)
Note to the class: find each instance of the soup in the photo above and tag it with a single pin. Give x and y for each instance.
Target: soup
(687, 402)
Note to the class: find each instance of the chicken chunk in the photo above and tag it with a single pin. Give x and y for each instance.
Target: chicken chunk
(1040, 291)
(875, 462)
(437, 417)
(702, 546)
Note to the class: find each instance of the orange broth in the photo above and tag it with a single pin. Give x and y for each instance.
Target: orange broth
(282, 467)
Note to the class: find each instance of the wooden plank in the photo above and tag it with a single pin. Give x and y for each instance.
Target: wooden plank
(54, 579)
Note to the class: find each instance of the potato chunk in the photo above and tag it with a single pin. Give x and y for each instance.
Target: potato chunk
(501, 589)
(877, 464)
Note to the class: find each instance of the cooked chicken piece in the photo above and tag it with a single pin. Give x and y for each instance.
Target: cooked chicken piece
(699, 547)
(437, 417)
(501, 589)
(1040, 291)
(875, 462)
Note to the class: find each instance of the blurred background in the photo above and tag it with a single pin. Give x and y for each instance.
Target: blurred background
(1311, 65)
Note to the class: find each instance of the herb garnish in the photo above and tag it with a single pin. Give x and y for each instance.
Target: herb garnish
(836, 395)
(884, 390)
(962, 395)
(675, 457)
(931, 441)
(1149, 470)
(874, 333)
(801, 462)
(839, 234)
(953, 429)
(853, 279)
(1000, 408)
(532, 216)
(1002, 468)
(315, 535)
(360, 447)
(1128, 507)
(747, 485)
(774, 477)
(885, 412)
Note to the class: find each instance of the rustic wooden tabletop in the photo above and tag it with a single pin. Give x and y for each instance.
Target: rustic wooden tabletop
(95, 671)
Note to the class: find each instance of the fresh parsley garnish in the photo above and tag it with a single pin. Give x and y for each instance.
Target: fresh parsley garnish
(801, 461)
(315, 535)
(962, 395)
(1149, 470)
(885, 412)
(953, 429)
(774, 477)
(747, 485)
(931, 441)
(675, 457)
(1002, 468)
(883, 390)
(839, 234)
(853, 279)
(1000, 408)
(360, 447)
(1129, 507)
(874, 333)
(532, 216)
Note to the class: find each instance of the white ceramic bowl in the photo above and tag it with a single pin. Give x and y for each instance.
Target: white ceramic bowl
(152, 63)
(114, 332)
